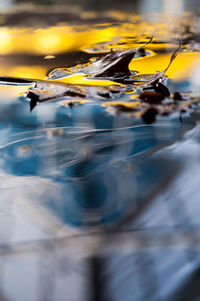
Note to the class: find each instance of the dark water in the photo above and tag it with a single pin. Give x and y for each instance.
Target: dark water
(96, 205)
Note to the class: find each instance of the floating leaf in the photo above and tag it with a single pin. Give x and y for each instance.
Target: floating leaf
(112, 65)
(58, 73)
(152, 80)
(115, 64)
(45, 91)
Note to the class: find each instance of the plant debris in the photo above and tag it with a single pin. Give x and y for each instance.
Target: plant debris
(153, 98)
(44, 91)
(116, 63)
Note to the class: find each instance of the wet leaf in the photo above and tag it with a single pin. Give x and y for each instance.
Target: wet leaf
(115, 64)
(45, 91)
(59, 73)
(153, 80)
(112, 65)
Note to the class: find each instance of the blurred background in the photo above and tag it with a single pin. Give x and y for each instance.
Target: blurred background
(96, 205)
(137, 6)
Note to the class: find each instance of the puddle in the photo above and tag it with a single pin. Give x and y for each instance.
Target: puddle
(94, 192)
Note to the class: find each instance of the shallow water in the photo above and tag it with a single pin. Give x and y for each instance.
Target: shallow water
(94, 202)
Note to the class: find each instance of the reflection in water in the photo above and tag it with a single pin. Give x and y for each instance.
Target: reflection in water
(97, 169)
(104, 173)
(94, 205)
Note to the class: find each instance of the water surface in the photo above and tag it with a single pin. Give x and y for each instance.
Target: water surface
(94, 202)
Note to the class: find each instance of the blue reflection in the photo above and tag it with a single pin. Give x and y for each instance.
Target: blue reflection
(100, 162)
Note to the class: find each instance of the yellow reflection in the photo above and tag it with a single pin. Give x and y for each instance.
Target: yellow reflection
(33, 72)
(81, 79)
(49, 57)
(73, 101)
(6, 40)
(179, 69)
(51, 40)
(123, 103)
(59, 39)
(48, 41)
